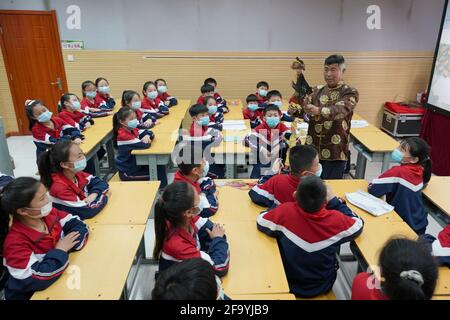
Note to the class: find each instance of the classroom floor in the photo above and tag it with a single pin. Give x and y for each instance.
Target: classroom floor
(22, 150)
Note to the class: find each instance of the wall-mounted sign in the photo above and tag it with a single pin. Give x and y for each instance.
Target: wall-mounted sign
(72, 44)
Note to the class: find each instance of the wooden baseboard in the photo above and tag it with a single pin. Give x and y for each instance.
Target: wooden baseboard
(13, 134)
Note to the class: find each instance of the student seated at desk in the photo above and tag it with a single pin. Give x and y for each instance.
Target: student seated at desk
(440, 246)
(69, 111)
(165, 97)
(151, 102)
(309, 234)
(253, 112)
(71, 189)
(274, 97)
(127, 137)
(132, 99)
(192, 279)
(408, 272)
(221, 103)
(403, 184)
(262, 88)
(4, 181)
(268, 141)
(36, 247)
(215, 115)
(46, 128)
(181, 234)
(89, 105)
(199, 131)
(103, 98)
(279, 188)
(195, 172)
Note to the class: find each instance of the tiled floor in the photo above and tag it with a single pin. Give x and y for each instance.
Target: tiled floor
(22, 150)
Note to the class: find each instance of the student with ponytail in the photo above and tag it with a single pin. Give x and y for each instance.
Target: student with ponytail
(35, 250)
(132, 100)
(403, 184)
(103, 98)
(71, 189)
(407, 272)
(70, 112)
(46, 128)
(89, 105)
(182, 234)
(151, 102)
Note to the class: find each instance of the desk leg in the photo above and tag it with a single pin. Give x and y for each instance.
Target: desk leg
(152, 168)
(386, 161)
(230, 172)
(361, 163)
(96, 165)
(110, 154)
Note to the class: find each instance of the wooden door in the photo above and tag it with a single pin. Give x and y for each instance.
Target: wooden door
(33, 59)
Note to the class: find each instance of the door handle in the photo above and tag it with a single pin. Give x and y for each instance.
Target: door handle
(58, 82)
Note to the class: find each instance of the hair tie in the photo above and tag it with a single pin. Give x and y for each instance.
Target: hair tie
(412, 275)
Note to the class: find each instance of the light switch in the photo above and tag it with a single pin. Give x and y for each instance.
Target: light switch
(70, 58)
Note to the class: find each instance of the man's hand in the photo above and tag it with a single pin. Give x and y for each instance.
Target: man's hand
(312, 110)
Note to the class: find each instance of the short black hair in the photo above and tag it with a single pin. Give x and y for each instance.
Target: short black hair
(301, 158)
(210, 80)
(251, 98)
(192, 279)
(274, 93)
(196, 109)
(206, 88)
(335, 59)
(262, 84)
(311, 194)
(271, 107)
(188, 158)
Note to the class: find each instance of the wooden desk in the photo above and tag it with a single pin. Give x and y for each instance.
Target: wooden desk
(436, 199)
(130, 203)
(372, 144)
(95, 136)
(232, 153)
(103, 265)
(235, 106)
(341, 187)
(255, 261)
(276, 296)
(172, 122)
(235, 204)
(158, 154)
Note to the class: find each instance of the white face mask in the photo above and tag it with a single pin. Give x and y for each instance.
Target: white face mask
(45, 211)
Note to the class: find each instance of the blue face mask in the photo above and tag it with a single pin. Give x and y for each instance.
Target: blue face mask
(152, 95)
(397, 156)
(212, 109)
(104, 89)
(91, 94)
(319, 172)
(162, 89)
(76, 105)
(205, 169)
(45, 117)
(253, 107)
(79, 165)
(273, 121)
(262, 92)
(132, 124)
(279, 104)
(136, 105)
(203, 121)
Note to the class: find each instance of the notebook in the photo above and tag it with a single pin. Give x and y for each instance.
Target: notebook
(369, 203)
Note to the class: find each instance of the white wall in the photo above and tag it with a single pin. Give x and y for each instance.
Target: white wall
(247, 25)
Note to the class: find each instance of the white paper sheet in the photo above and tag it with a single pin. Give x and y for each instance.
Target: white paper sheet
(369, 203)
(359, 124)
(234, 125)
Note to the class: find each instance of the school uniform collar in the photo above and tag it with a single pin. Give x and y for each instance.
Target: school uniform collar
(181, 177)
(33, 235)
(61, 177)
(183, 233)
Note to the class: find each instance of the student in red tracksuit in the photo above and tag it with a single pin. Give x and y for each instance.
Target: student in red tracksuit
(103, 98)
(262, 88)
(151, 102)
(36, 247)
(221, 102)
(216, 117)
(71, 189)
(253, 112)
(132, 99)
(69, 112)
(181, 234)
(46, 128)
(161, 86)
(407, 272)
(88, 104)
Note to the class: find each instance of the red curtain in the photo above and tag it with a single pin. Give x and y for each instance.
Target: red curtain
(436, 131)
